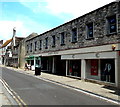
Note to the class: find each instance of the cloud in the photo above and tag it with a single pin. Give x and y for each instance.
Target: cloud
(24, 27)
(7, 28)
(31, 25)
(62, 7)
(74, 7)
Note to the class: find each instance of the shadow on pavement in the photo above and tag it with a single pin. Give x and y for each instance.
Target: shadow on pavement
(116, 90)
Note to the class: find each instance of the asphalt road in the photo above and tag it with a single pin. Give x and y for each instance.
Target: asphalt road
(34, 91)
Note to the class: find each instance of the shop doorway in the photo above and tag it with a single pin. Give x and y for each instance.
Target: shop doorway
(46, 64)
(74, 68)
(60, 66)
(108, 70)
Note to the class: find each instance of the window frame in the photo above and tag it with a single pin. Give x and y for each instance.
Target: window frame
(89, 30)
(74, 35)
(31, 47)
(27, 48)
(40, 44)
(46, 43)
(35, 44)
(62, 38)
(53, 41)
(108, 30)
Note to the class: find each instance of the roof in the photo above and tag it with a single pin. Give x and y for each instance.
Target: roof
(6, 43)
(32, 35)
(19, 37)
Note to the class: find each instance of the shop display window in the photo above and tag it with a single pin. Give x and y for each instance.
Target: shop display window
(108, 70)
(74, 68)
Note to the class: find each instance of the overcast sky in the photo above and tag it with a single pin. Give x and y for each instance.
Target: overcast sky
(41, 15)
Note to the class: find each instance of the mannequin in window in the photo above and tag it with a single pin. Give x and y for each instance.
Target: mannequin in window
(107, 71)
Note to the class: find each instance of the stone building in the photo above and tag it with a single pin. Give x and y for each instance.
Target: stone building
(21, 54)
(11, 50)
(87, 47)
(15, 52)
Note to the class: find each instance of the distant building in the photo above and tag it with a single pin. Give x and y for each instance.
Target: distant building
(1, 51)
(15, 52)
(22, 51)
(11, 50)
(6, 51)
(87, 47)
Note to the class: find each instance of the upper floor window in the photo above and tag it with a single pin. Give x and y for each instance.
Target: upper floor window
(27, 48)
(62, 38)
(111, 24)
(46, 43)
(74, 35)
(31, 47)
(89, 30)
(40, 45)
(53, 41)
(35, 45)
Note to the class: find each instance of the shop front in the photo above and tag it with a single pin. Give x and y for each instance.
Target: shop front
(101, 69)
(53, 64)
(74, 68)
(100, 66)
(92, 69)
(46, 64)
(33, 61)
(30, 60)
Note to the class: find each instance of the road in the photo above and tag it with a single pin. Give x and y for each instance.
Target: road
(34, 91)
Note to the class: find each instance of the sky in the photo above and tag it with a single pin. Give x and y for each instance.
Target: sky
(39, 16)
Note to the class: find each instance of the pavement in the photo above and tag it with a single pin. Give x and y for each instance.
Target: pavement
(5, 97)
(94, 89)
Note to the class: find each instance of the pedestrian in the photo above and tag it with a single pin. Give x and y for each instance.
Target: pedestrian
(26, 66)
(29, 67)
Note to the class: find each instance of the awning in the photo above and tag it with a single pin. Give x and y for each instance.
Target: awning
(30, 58)
(6, 43)
(38, 58)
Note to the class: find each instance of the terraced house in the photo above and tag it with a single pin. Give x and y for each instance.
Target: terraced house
(87, 47)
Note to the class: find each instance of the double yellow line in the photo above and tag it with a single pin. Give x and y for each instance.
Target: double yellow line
(14, 95)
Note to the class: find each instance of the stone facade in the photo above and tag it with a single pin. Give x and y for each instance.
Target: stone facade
(100, 37)
(91, 43)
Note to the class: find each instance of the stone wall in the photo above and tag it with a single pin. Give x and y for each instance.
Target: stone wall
(98, 17)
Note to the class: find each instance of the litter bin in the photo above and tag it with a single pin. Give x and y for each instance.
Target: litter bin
(37, 70)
